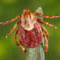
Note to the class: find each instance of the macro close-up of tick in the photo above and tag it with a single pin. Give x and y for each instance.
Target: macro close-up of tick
(30, 30)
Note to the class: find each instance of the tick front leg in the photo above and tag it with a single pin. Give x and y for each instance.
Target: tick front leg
(23, 49)
(46, 43)
(46, 16)
(7, 22)
(11, 30)
(46, 23)
(47, 35)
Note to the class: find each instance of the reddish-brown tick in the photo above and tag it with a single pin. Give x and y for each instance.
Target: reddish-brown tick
(30, 30)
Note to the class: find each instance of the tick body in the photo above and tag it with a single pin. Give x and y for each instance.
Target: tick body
(30, 30)
(31, 38)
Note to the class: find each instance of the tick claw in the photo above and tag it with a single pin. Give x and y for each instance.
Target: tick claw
(55, 27)
(25, 51)
(6, 36)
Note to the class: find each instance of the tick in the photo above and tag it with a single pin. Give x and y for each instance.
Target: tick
(30, 30)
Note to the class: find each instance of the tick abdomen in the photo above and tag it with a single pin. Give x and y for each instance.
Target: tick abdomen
(30, 38)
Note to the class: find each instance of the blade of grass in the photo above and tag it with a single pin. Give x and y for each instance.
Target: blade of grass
(38, 52)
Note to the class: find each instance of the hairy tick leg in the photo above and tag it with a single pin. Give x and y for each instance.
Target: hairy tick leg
(15, 38)
(23, 49)
(46, 16)
(9, 21)
(47, 35)
(46, 43)
(46, 22)
(11, 30)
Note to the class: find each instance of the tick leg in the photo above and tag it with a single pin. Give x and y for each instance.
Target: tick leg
(23, 49)
(47, 35)
(3, 23)
(46, 16)
(11, 30)
(46, 43)
(15, 38)
(46, 23)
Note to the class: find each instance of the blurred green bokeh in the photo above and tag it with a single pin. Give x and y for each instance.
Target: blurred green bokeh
(12, 8)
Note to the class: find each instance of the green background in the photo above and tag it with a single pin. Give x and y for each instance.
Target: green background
(12, 8)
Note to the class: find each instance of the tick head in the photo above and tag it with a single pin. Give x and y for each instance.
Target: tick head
(25, 10)
(28, 20)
